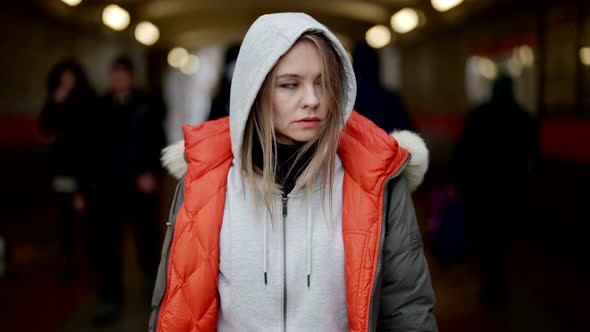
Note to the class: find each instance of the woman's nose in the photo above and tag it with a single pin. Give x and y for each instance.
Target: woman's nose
(311, 98)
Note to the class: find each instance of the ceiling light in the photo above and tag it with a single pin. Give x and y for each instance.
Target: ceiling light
(192, 65)
(378, 36)
(147, 33)
(177, 57)
(71, 2)
(487, 68)
(526, 55)
(514, 66)
(405, 20)
(585, 55)
(115, 17)
(444, 5)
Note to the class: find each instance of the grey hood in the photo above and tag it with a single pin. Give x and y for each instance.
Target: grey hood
(269, 38)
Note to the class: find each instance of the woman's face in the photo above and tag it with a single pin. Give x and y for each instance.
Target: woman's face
(67, 81)
(300, 107)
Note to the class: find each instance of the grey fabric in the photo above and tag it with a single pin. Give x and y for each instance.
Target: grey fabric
(246, 302)
(406, 299)
(160, 286)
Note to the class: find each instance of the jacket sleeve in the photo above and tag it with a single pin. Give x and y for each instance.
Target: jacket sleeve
(161, 282)
(48, 119)
(151, 138)
(407, 297)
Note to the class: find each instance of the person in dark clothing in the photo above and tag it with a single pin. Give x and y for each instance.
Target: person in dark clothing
(220, 103)
(128, 177)
(490, 166)
(68, 111)
(382, 106)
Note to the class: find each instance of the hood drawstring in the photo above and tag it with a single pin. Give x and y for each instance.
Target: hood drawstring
(265, 241)
(308, 242)
(309, 232)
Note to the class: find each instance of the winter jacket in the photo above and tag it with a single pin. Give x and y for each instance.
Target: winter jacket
(387, 281)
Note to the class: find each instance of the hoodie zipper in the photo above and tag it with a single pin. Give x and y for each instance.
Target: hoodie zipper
(377, 279)
(285, 200)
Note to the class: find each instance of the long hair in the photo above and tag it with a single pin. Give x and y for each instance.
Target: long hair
(82, 88)
(260, 130)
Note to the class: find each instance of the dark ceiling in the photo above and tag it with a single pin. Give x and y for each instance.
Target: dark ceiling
(193, 23)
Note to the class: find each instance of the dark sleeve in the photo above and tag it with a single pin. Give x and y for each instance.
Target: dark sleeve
(161, 282)
(48, 120)
(94, 142)
(533, 146)
(154, 138)
(458, 163)
(407, 297)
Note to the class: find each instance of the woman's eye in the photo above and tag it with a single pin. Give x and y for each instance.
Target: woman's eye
(289, 85)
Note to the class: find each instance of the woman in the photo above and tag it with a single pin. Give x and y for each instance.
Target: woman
(294, 215)
(65, 118)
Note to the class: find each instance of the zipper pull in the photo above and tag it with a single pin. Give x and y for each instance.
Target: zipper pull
(284, 199)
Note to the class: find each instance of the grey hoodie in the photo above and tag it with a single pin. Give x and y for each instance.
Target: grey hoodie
(265, 265)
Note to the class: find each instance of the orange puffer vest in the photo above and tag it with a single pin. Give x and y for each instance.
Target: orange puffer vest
(190, 303)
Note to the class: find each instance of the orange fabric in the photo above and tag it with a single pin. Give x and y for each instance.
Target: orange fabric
(190, 303)
(369, 156)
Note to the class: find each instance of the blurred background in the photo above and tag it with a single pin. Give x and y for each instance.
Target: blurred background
(93, 89)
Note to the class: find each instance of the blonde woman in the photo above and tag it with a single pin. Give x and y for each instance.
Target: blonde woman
(294, 213)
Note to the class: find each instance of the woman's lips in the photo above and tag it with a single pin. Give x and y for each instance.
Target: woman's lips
(308, 122)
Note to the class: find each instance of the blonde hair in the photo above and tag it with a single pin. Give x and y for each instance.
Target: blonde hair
(260, 123)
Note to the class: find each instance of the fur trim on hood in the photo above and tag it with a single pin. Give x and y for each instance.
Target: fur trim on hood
(173, 158)
(418, 164)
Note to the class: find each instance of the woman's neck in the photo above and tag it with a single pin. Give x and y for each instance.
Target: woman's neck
(287, 169)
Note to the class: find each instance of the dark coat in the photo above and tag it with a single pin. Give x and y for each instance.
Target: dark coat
(382, 106)
(129, 138)
(68, 122)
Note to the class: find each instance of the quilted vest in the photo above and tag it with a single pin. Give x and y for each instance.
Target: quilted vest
(190, 304)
